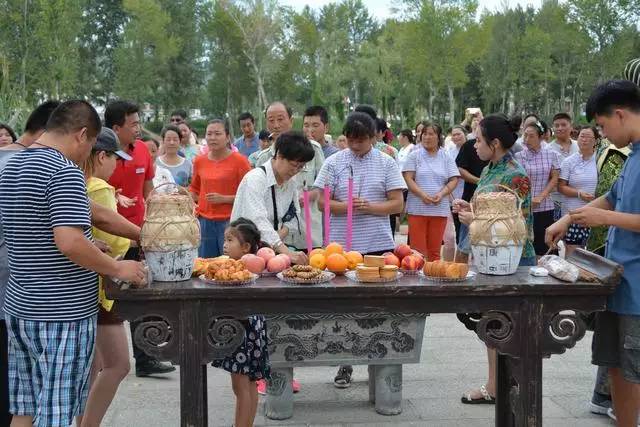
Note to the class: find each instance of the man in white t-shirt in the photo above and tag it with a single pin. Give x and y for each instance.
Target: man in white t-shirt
(564, 146)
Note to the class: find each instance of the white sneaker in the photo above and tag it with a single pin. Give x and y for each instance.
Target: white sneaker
(612, 415)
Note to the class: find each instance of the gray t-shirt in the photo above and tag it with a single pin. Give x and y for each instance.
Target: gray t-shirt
(5, 155)
(181, 173)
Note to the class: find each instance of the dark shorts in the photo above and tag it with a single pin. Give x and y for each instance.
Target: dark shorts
(616, 343)
(108, 317)
(541, 220)
(577, 235)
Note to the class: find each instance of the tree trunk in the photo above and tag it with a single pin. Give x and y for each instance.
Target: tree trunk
(432, 98)
(228, 104)
(452, 105)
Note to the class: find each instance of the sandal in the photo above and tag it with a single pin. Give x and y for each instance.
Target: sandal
(485, 399)
(343, 378)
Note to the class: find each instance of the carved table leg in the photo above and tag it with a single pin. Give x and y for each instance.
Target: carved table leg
(193, 374)
(518, 338)
(504, 402)
(279, 402)
(388, 389)
(372, 383)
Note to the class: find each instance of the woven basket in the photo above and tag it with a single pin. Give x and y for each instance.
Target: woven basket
(498, 231)
(169, 200)
(170, 223)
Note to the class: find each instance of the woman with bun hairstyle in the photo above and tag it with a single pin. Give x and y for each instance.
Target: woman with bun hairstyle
(495, 137)
(543, 167)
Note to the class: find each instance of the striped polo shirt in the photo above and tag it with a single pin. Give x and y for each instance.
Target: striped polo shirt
(41, 190)
(374, 174)
(431, 174)
(581, 175)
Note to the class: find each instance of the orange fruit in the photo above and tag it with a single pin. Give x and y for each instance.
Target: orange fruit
(316, 251)
(318, 261)
(354, 259)
(333, 248)
(337, 263)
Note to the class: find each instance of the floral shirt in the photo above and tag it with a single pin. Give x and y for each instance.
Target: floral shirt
(508, 172)
(387, 149)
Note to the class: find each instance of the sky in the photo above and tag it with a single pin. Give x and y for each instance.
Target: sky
(381, 8)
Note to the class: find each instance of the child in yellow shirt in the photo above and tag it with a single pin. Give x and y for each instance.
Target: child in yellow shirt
(111, 357)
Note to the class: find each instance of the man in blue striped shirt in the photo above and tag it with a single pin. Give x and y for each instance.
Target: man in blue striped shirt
(51, 300)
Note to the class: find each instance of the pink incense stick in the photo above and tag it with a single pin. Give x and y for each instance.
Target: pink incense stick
(307, 218)
(327, 216)
(350, 209)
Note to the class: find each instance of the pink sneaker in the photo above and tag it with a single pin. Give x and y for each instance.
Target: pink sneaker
(295, 386)
(261, 385)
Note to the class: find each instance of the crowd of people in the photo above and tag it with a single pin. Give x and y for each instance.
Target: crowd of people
(73, 200)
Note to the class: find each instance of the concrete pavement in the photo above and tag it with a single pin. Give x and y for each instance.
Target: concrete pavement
(453, 360)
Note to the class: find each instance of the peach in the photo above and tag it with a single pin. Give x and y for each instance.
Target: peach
(254, 263)
(391, 259)
(410, 263)
(276, 264)
(419, 260)
(266, 254)
(402, 251)
(285, 258)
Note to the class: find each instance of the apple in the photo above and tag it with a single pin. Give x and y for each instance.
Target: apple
(254, 263)
(266, 254)
(402, 251)
(391, 259)
(276, 264)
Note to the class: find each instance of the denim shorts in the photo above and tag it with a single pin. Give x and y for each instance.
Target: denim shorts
(464, 243)
(616, 343)
(212, 237)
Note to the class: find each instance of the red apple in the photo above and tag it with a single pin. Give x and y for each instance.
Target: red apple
(391, 259)
(254, 263)
(276, 264)
(402, 251)
(266, 254)
(411, 263)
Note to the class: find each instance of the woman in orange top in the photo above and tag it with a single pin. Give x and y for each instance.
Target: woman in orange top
(216, 177)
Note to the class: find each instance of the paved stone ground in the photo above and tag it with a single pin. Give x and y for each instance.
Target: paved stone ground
(453, 359)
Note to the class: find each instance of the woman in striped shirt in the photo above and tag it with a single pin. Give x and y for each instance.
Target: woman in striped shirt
(431, 175)
(577, 183)
(543, 167)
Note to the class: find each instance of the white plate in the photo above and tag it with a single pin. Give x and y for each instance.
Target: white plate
(229, 282)
(353, 276)
(326, 276)
(470, 275)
